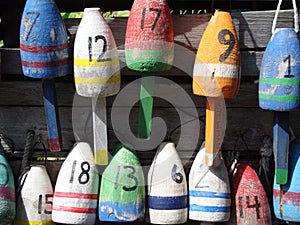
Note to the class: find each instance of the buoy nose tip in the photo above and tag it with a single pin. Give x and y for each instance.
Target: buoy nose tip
(55, 144)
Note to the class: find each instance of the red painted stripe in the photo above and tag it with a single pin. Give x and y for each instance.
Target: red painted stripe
(74, 209)
(45, 64)
(8, 193)
(288, 197)
(40, 49)
(55, 144)
(76, 195)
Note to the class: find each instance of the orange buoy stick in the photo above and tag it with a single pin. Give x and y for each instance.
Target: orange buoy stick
(217, 76)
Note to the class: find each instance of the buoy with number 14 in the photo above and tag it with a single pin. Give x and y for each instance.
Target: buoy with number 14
(76, 189)
(217, 76)
(96, 73)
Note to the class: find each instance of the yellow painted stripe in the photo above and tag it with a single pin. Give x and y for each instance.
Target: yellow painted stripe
(30, 222)
(101, 157)
(97, 80)
(95, 63)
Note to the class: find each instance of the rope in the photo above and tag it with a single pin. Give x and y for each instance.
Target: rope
(28, 146)
(264, 163)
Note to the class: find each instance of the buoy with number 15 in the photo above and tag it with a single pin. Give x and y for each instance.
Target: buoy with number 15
(96, 73)
(76, 189)
(167, 190)
(217, 76)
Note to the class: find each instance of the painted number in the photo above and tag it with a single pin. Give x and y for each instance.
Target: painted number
(226, 37)
(5, 178)
(29, 22)
(104, 48)
(48, 201)
(84, 176)
(288, 59)
(156, 10)
(257, 205)
(176, 176)
(129, 175)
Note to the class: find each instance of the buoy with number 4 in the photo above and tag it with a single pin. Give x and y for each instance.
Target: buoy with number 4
(216, 75)
(7, 191)
(250, 204)
(96, 73)
(76, 190)
(122, 191)
(209, 190)
(167, 190)
(44, 54)
(34, 204)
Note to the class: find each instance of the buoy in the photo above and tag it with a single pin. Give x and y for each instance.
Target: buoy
(209, 190)
(249, 200)
(167, 190)
(122, 191)
(76, 190)
(96, 72)
(217, 75)
(286, 198)
(7, 191)
(279, 88)
(44, 54)
(34, 204)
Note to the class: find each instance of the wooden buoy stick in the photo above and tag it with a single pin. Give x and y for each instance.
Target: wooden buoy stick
(146, 105)
(100, 130)
(213, 130)
(281, 146)
(52, 115)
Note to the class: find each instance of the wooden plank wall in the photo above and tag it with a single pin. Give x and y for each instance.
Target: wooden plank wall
(21, 103)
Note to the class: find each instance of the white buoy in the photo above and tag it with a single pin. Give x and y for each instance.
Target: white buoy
(209, 190)
(34, 204)
(76, 190)
(168, 195)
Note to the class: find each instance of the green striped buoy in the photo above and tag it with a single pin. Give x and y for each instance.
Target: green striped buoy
(122, 191)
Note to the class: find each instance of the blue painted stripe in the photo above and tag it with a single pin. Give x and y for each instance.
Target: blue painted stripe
(121, 212)
(212, 209)
(168, 203)
(209, 194)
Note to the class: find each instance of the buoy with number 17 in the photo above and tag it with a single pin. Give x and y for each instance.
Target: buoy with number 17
(76, 189)
(96, 73)
(167, 190)
(122, 191)
(44, 54)
(217, 76)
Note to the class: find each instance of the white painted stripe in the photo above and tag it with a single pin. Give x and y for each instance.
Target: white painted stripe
(210, 201)
(211, 217)
(75, 202)
(168, 216)
(219, 70)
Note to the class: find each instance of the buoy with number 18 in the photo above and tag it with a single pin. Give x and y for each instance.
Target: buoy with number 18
(167, 190)
(122, 191)
(76, 189)
(217, 76)
(96, 73)
(44, 54)
(7, 191)
(209, 190)
(34, 204)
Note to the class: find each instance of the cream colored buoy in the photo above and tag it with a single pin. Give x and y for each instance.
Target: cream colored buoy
(167, 191)
(209, 191)
(34, 204)
(96, 72)
(76, 190)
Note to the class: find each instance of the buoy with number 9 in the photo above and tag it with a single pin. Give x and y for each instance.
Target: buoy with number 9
(76, 189)
(7, 191)
(34, 204)
(122, 190)
(167, 190)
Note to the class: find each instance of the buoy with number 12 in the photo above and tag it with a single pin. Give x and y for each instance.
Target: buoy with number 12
(167, 190)
(217, 76)
(44, 54)
(96, 73)
(76, 189)
(122, 191)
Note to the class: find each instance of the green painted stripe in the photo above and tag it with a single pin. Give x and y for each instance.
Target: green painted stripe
(282, 81)
(278, 98)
